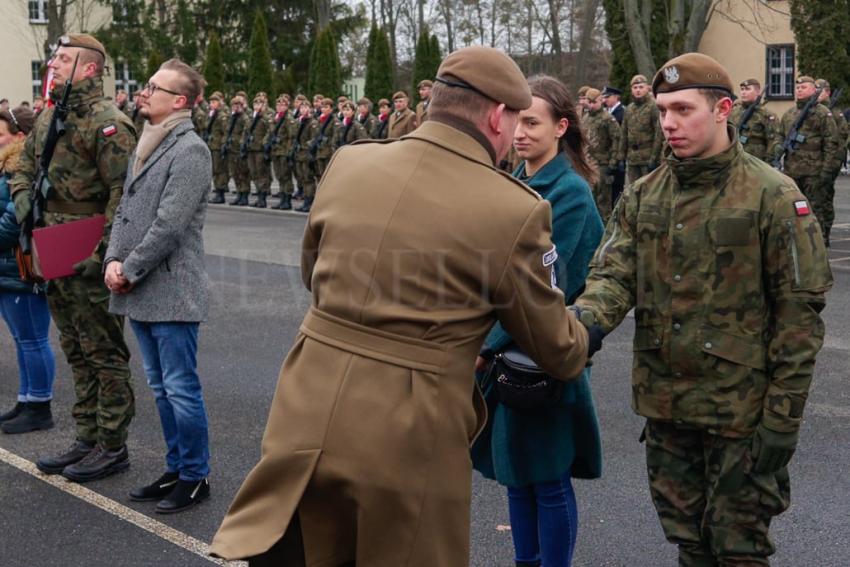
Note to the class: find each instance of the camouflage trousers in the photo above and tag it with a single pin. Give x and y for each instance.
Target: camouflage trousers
(283, 173)
(238, 169)
(305, 176)
(602, 194)
(820, 196)
(709, 502)
(637, 171)
(261, 173)
(219, 170)
(321, 166)
(93, 342)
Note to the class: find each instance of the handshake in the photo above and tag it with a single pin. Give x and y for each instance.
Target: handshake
(595, 334)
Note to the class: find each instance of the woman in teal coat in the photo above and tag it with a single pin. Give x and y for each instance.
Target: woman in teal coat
(536, 454)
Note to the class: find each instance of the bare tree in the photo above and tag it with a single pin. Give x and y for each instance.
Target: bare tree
(447, 11)
(57, 18)
(589, 16)
(323, 13)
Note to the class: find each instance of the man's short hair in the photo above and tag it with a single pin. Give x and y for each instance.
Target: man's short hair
(190, 83)
(713, 95)
(327, 102)
(461, 103)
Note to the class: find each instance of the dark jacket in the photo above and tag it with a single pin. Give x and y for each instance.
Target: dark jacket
(519, 449)
(10, 280)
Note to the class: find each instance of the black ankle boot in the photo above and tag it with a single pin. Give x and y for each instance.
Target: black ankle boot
(218, 199)
(13, 413)
(285, 203)
(237, 200)
(157, 490)
(35, 416)
(260, 203)
(186, 494)
(305, 207)
(243, 200)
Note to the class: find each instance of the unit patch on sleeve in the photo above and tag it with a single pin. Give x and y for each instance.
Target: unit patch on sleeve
(109, 130)
(802, 208)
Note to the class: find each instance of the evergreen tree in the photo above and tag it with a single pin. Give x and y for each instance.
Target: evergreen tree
(821, 29)
(436, 56)
(259, 58)
(325, 73)
(187, 33)
(379, 75)
(623, 66)
(214, 65)
(155, 59)
(421, 63)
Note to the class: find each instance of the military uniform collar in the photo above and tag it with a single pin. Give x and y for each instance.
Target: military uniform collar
(712, 172)
(458, 136)
(81, 92)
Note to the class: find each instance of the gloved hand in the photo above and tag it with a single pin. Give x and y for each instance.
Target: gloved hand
(22, 205)
(89, 269)
(772, 450)
(595, 334)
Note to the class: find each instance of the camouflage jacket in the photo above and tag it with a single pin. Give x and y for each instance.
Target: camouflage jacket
(324, 139)
(759, 133)
(726, 268)
(368, 122)
(285, 131)
(843, 130)
(217, 124)
(381, 128)
(640, 134)
(240, 122)
(305, 131)
(603, 134)
(200, 115)
(350, 133)
(256, 130)
(817, 154)
(90, 161)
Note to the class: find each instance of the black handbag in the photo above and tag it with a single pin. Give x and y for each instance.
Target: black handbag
(521, 384)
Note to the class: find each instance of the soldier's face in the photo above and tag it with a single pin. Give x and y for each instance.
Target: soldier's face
(362, 108)
(327, 110)
(235, 107)
(305, 109)
(824, 95)
(692, 126)
(348, 112)
(639, 90)
(803, 91)
(384, 108)
(611, 100)
(537, 133)
(582, 101)
(215, 104)
(258, 106)
(63, 63)
(282, 107)
(400, 104)
(749, 93)
(424, 92)
(120, 98)
(595, 104)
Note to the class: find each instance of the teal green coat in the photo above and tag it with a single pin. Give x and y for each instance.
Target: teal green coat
(519, 449)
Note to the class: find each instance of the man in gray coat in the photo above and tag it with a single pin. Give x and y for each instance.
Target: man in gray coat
(155, 271)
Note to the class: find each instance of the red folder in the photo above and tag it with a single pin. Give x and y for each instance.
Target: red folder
(60, 246)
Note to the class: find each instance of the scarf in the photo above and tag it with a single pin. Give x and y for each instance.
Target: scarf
(153, 135)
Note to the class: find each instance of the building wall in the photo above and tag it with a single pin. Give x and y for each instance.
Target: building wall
(22, 42)
(738, 35)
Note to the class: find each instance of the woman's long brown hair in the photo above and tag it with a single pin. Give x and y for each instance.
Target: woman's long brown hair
(561, 105)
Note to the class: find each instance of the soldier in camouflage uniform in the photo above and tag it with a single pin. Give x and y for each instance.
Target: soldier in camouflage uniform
(215, 135)
(123, 103)
(279, 143)
(349, 130)
(842, 130)
(365, 116)
(814, 163)
(136, 116)
(87, 178)
(727, 270)
(304, 160)
(253, 139)
(640, 134)
(603, 134)
(200, 112)
(757, 136)
(322, 145)
(237, 166)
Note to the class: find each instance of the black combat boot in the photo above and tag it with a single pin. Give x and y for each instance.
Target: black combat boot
(299, 193)
(75, 453)
(237, 200)
(100, 463)
(35, 416)
(218, 199)
(157, 490)
(285, 202)
(243, 199)
(260, 203)
(186, 494)
(305, 207)
(13, 413)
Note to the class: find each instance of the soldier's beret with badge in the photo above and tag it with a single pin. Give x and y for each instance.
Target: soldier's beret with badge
(399, 94)
(217, 96)
(691, 71)
(592, 94)
(804, 79)
(364, 100)
(424, 83)
(83, 41)
(383, 102)
(608, 91)
(260, 97)
(638, 80)
(236, 99)
(489, 72)
(282, 98)
(822, 84)
(750, 83)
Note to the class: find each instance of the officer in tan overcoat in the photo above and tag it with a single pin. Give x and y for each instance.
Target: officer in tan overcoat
(365, 456)
(402, 120)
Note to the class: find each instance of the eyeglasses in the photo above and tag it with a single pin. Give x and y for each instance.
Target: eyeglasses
(152, 88)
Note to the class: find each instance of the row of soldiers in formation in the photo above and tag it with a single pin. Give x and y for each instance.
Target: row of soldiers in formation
(633, 137)
(297, 138)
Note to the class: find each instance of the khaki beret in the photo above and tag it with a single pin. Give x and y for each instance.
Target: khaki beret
(750, 82)
(424, 83)
(364, 100)
(822, 84)
(804, 79)
(261, 97)
(400, 94)
(243, 94)
(82, 40)
(217, 96)
(282, 98)
(592, 94)
(583, 90)
(350, 105)
(488, 71)
(691, 71)
(341, 98)
(383, 102)
(236, 99)
(638, 79)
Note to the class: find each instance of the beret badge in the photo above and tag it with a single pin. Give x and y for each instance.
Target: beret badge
(671, 74)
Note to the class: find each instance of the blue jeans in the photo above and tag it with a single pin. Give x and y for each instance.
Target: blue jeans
(169, 355)
(544, 522)
(28, 318)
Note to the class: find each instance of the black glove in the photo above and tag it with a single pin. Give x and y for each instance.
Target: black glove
(595, 334)
(772, 450)
(23, 205)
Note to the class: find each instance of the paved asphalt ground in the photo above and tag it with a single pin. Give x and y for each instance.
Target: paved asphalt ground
(258, 302)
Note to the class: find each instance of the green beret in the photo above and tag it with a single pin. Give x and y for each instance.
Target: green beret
(691, 71)
(489, 72)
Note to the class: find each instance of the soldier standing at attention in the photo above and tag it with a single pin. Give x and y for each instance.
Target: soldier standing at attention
(253, 138)
(757, 136)
(87, 178)
(403, 120)
(136, 116)
(349, 130)
(123, 103)
(640, 134)
(425, 100)
(814, 162)
(726, 268)
(603, 138)
(215, 136)
(199, 114)
(365, 116)
(304, 170)
(279, 143)
(236, 165)
(842, 131)
(322, 145)
(582, 99)
(317, 105)
(340, 101)
(381, 128)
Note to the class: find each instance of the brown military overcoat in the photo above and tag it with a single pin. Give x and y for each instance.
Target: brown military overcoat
(402, 123)
(369, 432)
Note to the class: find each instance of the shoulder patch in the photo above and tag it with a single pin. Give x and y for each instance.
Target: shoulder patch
(550, 257)
(109, 130)
(802, 208)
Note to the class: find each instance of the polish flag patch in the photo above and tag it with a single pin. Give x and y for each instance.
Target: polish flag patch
(109, 130)
(802, 208)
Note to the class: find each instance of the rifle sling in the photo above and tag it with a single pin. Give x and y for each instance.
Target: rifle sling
(81, 208)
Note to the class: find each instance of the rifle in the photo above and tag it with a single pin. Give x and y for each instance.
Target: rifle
(267, 148)
(229, 139)
(246, 143)
(210, 124)
(296, 145)
(794, 138)
(833, 100)
(314, 147)
(41, 189)
(745, 120)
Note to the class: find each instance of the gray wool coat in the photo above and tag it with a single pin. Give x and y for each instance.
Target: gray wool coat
(157, 232)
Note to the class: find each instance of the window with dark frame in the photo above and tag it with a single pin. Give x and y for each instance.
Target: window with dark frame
(37, 11)
(124, 78)
(779, 83)
(37, 78)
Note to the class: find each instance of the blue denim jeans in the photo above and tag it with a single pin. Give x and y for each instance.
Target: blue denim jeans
(544, 522)
(169, 356)
(28, 318)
